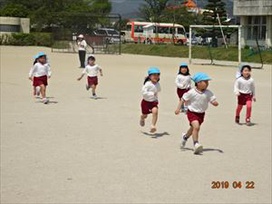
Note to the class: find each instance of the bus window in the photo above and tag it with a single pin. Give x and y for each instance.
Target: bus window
(181, 31)
(138, 28)
(128, 27)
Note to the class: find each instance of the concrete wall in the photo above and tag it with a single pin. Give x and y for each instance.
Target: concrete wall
(252, 7)
(13, 24)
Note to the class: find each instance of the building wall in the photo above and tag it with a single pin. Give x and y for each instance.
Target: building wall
(13, 24)
(248, 8)
(252, 7)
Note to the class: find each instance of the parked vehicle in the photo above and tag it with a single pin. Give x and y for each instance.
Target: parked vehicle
(111, 35)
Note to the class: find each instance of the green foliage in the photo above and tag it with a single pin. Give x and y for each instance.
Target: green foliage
(14, 10)
(152, 10)
(215, 8)
(198, 52)
(26, 39)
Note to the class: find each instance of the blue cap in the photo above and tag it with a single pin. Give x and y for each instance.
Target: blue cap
(40, 54)
(200, 76)
(153, 70)
(183, 64)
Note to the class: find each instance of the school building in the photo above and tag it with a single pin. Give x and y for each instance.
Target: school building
(14, 24)
(256, 19)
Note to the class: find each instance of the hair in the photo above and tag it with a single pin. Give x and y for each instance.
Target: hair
(35, 61)
(243, 67)
(187, 73)
(91, 58)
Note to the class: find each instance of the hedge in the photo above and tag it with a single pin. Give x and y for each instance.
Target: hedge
(26, 39)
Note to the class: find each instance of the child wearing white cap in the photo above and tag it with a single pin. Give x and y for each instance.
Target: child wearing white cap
(150, 102)
(197, 100)
(183, 82)
(244, 88)
(91, 70)
(39, 74)
(82, 45)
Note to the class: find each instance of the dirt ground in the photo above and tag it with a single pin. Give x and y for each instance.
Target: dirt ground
(79, 150)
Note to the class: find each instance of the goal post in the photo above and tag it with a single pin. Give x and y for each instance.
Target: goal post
(221, 27)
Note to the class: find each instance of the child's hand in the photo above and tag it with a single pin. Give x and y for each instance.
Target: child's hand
(30, 78)
(237, 94)
(79, 78)
(101, 74)
(177, 111)
(254, 99)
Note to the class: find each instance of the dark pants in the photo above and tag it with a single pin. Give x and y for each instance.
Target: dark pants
(82, 55)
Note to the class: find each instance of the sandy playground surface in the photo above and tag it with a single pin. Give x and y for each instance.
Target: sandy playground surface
(80, 150)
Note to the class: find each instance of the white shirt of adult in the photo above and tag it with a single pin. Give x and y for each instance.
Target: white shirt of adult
(82, 45)
(150, 91)
(245, 86)
(198, 101)
(183, 82)
(39, 70)
(91, 71)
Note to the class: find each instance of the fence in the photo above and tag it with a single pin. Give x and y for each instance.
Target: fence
(102, 33)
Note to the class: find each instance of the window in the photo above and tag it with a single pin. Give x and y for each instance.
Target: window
(256, 27)
(9, 28)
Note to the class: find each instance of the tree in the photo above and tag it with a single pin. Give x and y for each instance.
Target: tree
(152, 10)
(46, 13)
(215, 9)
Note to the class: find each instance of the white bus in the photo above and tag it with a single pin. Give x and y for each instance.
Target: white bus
(150, 32)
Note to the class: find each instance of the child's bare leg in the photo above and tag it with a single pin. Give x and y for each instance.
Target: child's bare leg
(34, 91)
(154, 119)
(43, 90)
(93, 89)
(195, 130)
(189, 132)
(142, 120)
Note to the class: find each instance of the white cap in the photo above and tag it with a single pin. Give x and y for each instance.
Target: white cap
(80, 36)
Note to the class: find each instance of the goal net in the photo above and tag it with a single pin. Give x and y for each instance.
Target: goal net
(215, 45)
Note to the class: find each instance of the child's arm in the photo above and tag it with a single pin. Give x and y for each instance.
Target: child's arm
(101, 72)
(236, 88)
(79, 78)
(214, 103)
(253, 91)
(181, 102)
(49, 71)
(31, 72)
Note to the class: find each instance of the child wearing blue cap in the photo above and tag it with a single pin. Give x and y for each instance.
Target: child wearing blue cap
(149, 102)
(244, 88)
(39, 73)
(197, 99)
(183, 82)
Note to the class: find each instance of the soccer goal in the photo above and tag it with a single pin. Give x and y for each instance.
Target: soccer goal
(215, 44)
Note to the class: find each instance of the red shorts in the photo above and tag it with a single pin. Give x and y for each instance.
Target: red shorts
(180, 92)
(243, 98)
(192, 116)
(148, 106)
(38, 81)
(92, 80)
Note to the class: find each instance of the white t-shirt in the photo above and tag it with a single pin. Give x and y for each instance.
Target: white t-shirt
(198, 101)
(150, 91)
(39, 70)
(82, 45)
(91, 71)
(183, 82)
(245, 86)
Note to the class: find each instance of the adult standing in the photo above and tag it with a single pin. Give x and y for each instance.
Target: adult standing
(81, 50)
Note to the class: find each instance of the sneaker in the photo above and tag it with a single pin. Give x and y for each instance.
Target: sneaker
(237, 119)
(94, 96)
(198, 148)
(183, 141)
(45, 100)
(248, 123)
(87, 87)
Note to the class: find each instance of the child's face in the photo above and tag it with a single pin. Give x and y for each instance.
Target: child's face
(202, 85)
(42, 59)
(246, 72)
(91, 61)
(154, 78)
(183, 70)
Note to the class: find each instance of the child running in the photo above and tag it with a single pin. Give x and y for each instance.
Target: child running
(244, 89)
(39, 74)
(197, 100)
(91, 70)
(149, 103)
(183, 82)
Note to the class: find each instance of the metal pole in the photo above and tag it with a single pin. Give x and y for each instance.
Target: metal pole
(239, 45)
(190, 45)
